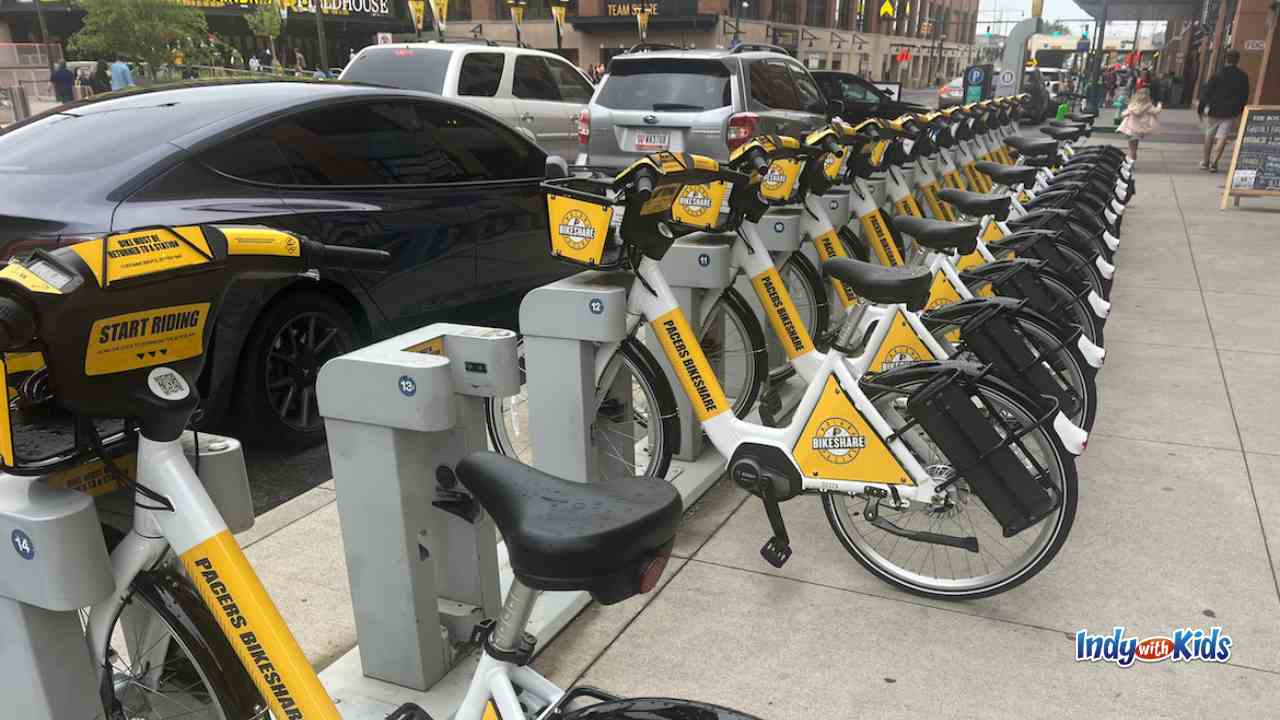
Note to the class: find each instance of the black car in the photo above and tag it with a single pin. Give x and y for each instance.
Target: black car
(861, 99)
(450, 191)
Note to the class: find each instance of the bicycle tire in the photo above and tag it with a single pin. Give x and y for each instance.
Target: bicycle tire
(176, 603)
(808, 281)
(906, 380)
(734, 305)
(647, 373)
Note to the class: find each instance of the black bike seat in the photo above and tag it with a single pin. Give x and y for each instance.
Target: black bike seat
(880, 284)
(1086, 118)
(1069, 124)
(1061, 133)
(1032, 146)
(940, 235)
(1009, 175)
(976, 204)
(564, 535)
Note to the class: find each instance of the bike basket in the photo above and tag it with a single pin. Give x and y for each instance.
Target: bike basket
(993, 335)
(698, 206)
(1017, 497)
(579, 218)
(780, 179)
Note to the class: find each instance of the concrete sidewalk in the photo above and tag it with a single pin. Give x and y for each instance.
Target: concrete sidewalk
(1178, 526)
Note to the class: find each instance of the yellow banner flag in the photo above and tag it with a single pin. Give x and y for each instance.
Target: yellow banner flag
(642, 22)
(440, 8)
(557, 11)
(886, 10)
(517, 13)
(1037, 8)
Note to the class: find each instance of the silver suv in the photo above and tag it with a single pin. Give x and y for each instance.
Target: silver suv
(538, 93)
(700, 101)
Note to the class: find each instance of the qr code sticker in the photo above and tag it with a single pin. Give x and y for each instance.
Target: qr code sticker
(168, 384)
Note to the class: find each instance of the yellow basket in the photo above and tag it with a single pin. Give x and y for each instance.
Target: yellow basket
(579, 221)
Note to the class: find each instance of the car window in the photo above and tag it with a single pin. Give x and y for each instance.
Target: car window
(810, 97)
(480, 74)
(572, 86)
(399, 143)
(253, 157)
(408, 68)
(854, 91)
(533, 80)
(667, 84)
(771, 85)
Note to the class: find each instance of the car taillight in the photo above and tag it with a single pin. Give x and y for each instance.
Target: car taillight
(651, 573)
(741, 129)
(584, 126)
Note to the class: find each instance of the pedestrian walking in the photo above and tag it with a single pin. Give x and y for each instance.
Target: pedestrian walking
(1221, 104)
(1141, 118)
(121, 75)
(100, 82)
(64, 83)
(299, 63)
(254, 63)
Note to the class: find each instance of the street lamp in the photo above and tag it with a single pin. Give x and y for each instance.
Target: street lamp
(517, 16)
(324, 50)
(558, 8)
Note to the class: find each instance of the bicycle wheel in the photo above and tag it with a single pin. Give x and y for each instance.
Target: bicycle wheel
(168, 658)
(942, 571)
(1074, 310)
(809, 293)
(731, 336)
(653, 418)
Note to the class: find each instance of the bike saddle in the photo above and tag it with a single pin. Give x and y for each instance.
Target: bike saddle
(1069, 124)
(1061, 133)
(1009, 175)
(940, 235)
(976, 204)
(561, 535)
(1032, 146)
(884, 285)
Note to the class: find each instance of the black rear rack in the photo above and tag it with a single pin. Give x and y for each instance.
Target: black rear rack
(758, 47)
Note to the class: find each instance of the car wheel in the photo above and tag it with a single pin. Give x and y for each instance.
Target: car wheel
(283, 355)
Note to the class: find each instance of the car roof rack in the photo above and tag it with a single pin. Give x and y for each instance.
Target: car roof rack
(649, 47)
(465, 41)
(766, 47)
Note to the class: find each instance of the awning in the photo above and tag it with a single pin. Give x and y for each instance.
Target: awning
(1128, 11)
(627, 23)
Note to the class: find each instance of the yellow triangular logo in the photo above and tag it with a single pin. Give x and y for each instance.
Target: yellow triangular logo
(886, 10)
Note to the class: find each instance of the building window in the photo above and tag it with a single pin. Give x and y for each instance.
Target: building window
(459, 10)
(818, 13)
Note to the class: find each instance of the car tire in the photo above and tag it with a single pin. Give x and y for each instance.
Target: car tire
(289, 344)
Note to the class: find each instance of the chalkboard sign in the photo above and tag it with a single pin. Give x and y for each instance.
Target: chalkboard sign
(1255, 164)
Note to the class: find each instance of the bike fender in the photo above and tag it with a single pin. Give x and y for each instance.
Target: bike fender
(655, 709)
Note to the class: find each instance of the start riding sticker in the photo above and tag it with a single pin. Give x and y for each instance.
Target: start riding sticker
(838, 444)
(142, 339)
(143, 252)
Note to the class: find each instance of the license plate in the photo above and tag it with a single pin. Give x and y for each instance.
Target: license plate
(650, 141)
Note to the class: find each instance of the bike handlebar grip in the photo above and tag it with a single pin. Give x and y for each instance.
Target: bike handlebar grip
(830, 145)
(17, 327)
(759, 162)
(644, 184)
(352, 258)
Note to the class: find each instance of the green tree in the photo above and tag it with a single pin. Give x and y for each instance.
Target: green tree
(145, 30)
(265, 21)
(1057, 27)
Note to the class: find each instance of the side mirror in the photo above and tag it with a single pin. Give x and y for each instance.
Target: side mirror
(835, 108)
(557, 167)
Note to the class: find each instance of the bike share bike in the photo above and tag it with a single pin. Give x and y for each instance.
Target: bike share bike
(124, 323)
(948, 444)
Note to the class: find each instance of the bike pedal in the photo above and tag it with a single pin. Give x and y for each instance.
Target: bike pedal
(776, 552)
(409, 711)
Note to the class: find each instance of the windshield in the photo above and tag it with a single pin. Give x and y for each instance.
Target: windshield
(407, 68)
(674, 85)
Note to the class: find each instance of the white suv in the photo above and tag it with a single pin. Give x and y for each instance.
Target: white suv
(538, 93)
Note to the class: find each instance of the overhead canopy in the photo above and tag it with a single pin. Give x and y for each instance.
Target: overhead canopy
(1128, 11)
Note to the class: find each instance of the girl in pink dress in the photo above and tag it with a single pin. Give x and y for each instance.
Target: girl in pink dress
(1141, 118)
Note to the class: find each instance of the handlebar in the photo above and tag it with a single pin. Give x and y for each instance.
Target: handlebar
(340, 257)
(643, 188)
(17, 326)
